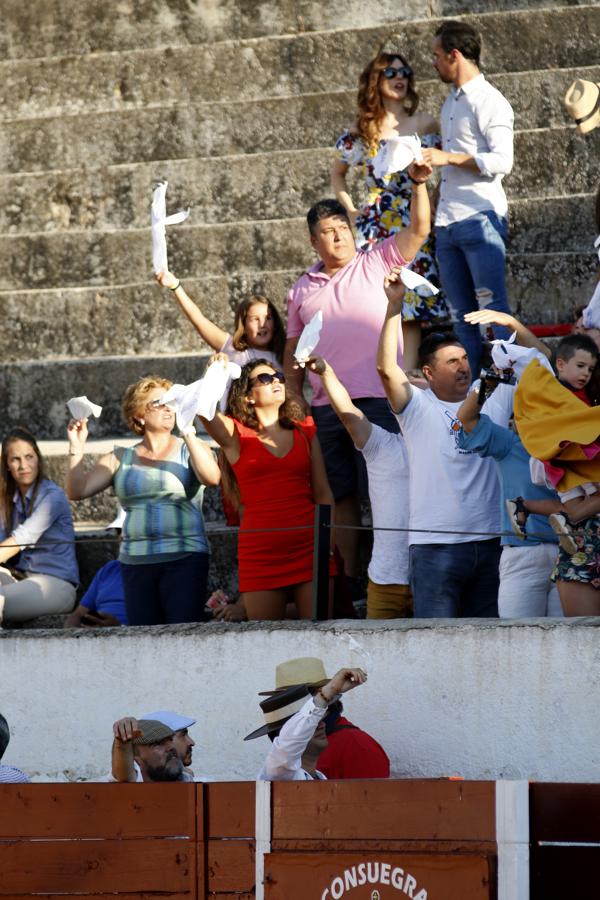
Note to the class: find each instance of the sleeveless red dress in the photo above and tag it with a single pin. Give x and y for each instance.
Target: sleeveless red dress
(275, 493)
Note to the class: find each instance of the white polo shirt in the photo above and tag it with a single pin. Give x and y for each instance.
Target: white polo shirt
(476, 119)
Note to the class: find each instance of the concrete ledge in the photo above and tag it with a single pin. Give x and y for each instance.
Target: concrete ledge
(474, 698)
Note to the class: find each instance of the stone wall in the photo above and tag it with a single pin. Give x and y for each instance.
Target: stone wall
(482, 700)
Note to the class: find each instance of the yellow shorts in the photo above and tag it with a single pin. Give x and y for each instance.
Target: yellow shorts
(389, 601)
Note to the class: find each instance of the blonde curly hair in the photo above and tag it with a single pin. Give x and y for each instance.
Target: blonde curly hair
(135, 399)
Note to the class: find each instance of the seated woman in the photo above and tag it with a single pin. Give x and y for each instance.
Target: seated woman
(164, 552)
(36, 535)
(274, 471)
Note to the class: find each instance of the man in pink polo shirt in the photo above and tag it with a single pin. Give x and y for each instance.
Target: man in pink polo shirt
(347, 286)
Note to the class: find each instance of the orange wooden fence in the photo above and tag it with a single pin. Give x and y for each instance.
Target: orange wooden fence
(326, 840)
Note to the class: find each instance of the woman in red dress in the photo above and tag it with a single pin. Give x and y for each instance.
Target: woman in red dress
(274, 470)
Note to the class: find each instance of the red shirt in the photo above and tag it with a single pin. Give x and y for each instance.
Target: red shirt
(352, 753)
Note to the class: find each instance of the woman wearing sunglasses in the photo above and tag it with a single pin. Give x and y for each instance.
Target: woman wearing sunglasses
(164, 550)
(274, 473)
(387, 107)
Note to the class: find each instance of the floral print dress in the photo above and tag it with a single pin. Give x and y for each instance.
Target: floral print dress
(387, 211)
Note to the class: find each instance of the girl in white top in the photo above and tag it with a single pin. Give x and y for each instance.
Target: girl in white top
(258, 330)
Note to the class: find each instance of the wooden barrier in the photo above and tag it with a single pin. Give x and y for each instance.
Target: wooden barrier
(565, 841)
(378, 840)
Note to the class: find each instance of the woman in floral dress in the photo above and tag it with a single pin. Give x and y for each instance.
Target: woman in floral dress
(387, 107)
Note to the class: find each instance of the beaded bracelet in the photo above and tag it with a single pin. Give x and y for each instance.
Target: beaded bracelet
(178, 285)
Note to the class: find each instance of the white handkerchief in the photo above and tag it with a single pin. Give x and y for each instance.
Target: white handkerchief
(158, 220)
(597, 245)
(309, 339)
(201, 398)
(396, 154)
(119, 519)
(508, 355)
(591, 314)
(82, 408)
(413, 281)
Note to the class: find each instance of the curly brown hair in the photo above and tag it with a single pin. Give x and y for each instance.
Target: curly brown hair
(291, 411)
(135, 396)
(239, 339)
(370, 106)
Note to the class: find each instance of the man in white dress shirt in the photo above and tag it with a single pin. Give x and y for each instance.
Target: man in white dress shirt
(471, 216)
(294, 722)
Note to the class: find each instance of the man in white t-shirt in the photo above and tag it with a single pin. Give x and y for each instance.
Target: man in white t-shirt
(454, 495)
(388, 592)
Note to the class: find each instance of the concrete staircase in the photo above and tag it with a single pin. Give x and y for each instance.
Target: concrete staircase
(238, 105)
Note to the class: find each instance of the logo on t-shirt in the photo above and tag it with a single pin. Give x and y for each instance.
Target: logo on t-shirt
(455, 427)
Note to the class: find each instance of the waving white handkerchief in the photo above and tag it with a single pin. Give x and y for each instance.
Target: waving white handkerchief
(508, 355)
(309, 339)
(82, 408)
(158, 220)
(591, 313)
(413, 281)
(201, 398)
(396, 154)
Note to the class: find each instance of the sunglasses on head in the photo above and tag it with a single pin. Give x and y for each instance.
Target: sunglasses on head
(392, 72)
(267, 378)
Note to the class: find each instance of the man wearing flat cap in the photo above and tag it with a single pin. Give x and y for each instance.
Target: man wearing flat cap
(294, 723)
(350, 752)
(143, 750)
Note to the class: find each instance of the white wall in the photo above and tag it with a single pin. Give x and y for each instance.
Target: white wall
(480, 700)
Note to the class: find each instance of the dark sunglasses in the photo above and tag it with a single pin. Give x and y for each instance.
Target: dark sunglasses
(391, 72)
(267, 378)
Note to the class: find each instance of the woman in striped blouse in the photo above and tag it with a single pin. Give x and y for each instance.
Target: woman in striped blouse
(164, 552)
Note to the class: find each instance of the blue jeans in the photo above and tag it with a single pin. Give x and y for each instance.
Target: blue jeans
(471, 256)
(167, 593)
(455, 580)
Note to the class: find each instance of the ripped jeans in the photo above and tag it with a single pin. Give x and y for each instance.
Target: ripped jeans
(471, 256)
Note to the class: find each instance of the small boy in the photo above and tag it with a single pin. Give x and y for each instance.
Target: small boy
(575, 359)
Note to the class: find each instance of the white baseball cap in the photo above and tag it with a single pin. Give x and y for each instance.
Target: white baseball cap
(171, 719)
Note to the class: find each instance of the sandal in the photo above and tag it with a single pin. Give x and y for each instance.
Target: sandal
(516, 509)
(562, 525)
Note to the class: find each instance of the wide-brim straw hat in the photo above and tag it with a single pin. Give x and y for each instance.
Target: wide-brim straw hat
(307, 670)
(582, 102)
(278, 708)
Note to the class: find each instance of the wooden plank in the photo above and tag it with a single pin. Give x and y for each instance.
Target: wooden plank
(97, 810)
(296, 876)
(95, 866)
(230, 865)
(385, 809)
(386, 846)
(564, 812)
(230, 809)
(561, 872)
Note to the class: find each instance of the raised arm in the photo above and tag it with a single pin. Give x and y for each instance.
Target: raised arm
(214, 336)
(525, 337)
(124, 731)
(469, 411)
(340, 188)
(409, 240)
(80, 484)
(352, 418)
(396, 385)
(202, 459)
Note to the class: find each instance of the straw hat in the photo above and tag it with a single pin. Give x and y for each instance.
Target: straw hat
(308, 670)
(582, 102)
(278, 708)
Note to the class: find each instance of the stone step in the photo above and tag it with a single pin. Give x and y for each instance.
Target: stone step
(73, 259)
(213, 129)
(543, 287)
(148, 319)
(58, 27)
(281, 66)
(250, 187)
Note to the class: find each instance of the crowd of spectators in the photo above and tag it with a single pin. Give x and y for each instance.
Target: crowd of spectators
(462, 525)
